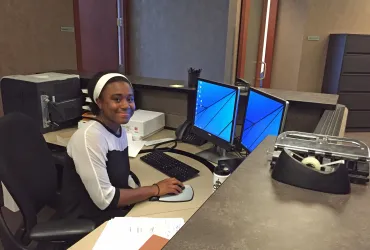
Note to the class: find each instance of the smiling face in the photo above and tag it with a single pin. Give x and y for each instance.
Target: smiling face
(116, 104)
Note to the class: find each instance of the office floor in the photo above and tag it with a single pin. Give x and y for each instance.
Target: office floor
(14, 219)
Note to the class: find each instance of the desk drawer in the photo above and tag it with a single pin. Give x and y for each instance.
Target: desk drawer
(354, 83)
(356, 64)
(358, 44)
(357, 101)
(358, 119)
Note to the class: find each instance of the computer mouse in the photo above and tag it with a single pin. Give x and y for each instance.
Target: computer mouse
(187, 194)
(182, 188)
(154, 198)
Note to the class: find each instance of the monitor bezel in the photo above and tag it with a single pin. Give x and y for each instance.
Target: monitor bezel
(285, 103)
(227, 145)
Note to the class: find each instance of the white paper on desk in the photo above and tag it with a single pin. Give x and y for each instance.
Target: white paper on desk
(134, 147)
(132, 232)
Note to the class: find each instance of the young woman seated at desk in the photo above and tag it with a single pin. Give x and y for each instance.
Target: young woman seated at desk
(100, 186)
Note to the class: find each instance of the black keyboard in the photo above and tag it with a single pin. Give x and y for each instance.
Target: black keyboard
(170, 166)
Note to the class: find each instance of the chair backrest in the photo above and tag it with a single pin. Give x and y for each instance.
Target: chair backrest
(26, 166)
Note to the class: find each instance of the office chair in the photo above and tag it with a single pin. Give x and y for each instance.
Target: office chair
(28, 172)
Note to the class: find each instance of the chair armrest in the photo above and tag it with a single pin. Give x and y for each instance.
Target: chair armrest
(61, 230)
(135, 178)
(60, 158)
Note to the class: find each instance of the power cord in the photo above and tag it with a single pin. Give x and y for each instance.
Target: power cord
(165, 149)
(53, 106)
(239, 150)
(239, 154)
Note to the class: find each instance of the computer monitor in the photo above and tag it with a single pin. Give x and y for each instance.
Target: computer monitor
(264, 115)
(215, 117)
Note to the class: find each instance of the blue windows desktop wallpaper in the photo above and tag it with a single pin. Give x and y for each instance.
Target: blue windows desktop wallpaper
(263, 117)
(215, 105)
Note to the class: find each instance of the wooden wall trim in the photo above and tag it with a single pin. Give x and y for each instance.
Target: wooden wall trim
(76, 15)
(266, 83)
(243, 36)
(260, 44)
(86, 39)
(270, 42)
(125, 32)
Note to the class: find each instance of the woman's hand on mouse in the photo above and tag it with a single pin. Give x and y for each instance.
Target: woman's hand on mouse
(169, 186)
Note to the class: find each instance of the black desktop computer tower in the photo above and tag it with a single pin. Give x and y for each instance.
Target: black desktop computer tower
(53, 100)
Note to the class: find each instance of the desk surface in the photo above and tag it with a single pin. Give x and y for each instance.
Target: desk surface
(89, 241)
(300, 96)
(264, 214)
(202, 184)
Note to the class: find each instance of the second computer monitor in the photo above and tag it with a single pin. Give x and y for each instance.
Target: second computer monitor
(215, 112)
(264, 115)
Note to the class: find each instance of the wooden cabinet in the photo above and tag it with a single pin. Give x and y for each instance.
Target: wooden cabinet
(347, 73)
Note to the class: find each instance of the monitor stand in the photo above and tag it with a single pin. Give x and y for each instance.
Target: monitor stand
(215, 154)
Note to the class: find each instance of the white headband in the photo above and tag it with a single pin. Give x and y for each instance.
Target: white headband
(103, 80)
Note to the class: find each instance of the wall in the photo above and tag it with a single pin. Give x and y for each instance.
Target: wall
(169, 36)
(299, 63)
(290, 29)
(324, 18)
(30, 36)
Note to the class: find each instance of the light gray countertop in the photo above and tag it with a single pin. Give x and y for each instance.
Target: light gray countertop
(253, 211)
(299, 96)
